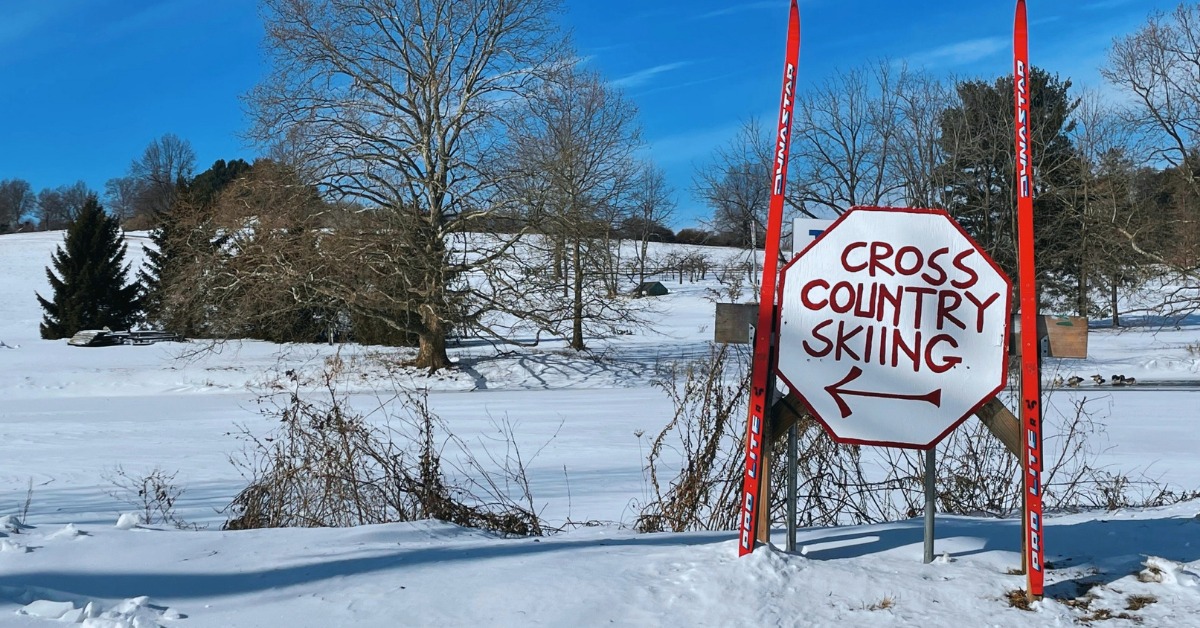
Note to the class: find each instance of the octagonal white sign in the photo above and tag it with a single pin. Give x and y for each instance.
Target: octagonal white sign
(894, 327)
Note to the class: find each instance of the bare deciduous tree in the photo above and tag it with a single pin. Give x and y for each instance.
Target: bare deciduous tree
(576, 147)
(165, 163)
(845, 140)
(56, 207)
(1103, 198)
(1157, 65)
(17, 200)
(736, 183)
(397, 104)
(652, 207)
(121, 195)
(918, 165)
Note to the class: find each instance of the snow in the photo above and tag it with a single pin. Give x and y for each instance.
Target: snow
(128, 521)
(71, 419)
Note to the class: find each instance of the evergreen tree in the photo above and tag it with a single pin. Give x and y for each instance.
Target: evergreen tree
(89, 278)
(980, 165)
(155, 272)
(208, 184)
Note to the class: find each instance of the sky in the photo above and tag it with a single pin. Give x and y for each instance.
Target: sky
(85, 85)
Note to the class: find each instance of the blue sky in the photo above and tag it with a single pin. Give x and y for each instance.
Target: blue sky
(86, 84)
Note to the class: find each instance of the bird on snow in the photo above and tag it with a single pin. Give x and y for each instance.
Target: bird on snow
(1074, 381)
(1057, 382)
(1098, 379)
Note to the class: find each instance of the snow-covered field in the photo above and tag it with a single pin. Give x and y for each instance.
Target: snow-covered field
(69, 417)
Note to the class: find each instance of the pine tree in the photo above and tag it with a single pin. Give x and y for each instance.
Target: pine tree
(155, 270)
(89, 278)
(979, 171)
(205, 187)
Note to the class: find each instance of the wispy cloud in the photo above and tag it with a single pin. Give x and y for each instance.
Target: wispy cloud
(1106, 4)
(699, 81)
(641, 77)
(24, 22)
(160, 14)
(655, 14)
(689, 146)
(32, 29)
(38, 27)
(739, 8)
(1049, 19)
(959, 53)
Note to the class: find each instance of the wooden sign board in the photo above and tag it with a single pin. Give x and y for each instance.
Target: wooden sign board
(1063, 336)
(734, 321)
(1058, 336)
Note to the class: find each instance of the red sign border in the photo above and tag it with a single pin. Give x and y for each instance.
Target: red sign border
(1007, 318)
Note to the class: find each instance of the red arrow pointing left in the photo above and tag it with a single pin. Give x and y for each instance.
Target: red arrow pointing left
(837, 392)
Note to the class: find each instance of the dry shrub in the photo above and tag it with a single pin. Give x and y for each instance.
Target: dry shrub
(850, 484)
(731, 282)
(882, 605)
(327, 465)
(703, 435)
(1018, 599)
(976, 475)
(1138, 602)
(154, 493)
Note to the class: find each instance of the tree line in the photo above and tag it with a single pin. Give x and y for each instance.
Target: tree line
(438, 167)
(1116, 198)
(134, 198)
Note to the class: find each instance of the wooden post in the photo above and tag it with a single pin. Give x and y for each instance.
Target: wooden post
(1002, 423)
(786, 413)
(763, 534)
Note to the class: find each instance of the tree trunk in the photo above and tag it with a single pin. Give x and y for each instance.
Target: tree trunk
(559, 260)
(577, 306)
(431, 338)
(1112, 295)
(560, 265)
(612, 279)
(431, 342)
(642, 261)
(1081, 298)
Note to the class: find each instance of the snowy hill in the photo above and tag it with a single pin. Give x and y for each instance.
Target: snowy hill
(73, 419)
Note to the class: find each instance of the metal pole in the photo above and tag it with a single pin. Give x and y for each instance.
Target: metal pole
(930, 498)
(791, 488)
